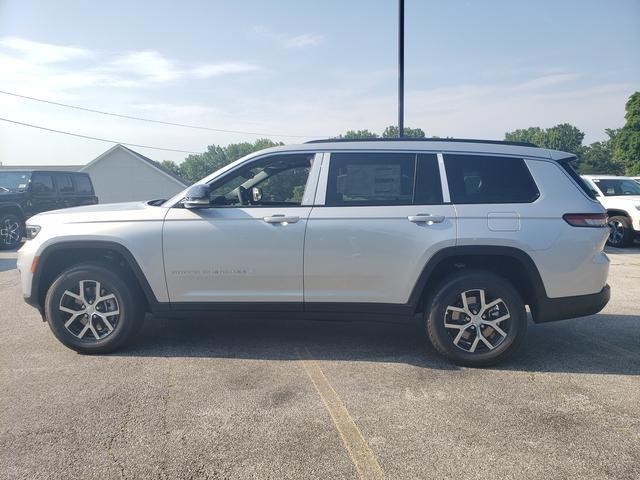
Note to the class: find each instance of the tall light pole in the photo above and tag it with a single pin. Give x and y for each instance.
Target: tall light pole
(400, 68)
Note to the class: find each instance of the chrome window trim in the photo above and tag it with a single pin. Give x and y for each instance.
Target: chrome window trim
(446, 197)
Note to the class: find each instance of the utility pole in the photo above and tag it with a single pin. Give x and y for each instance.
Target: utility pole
(401, 68)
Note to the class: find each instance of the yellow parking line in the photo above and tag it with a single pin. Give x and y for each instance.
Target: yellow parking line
(355, 444)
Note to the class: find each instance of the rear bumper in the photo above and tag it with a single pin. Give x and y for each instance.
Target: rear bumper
(552, 309)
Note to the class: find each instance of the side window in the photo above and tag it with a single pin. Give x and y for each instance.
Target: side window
(42, 183)
(370, 179)
(428, 189)
(487, 179)
(83, 185)
(278, 180)
(65, 185)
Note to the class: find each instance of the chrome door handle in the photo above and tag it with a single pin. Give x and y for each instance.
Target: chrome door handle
(279, 218)
(426, 218)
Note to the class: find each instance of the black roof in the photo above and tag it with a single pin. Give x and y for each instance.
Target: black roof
(414, 139)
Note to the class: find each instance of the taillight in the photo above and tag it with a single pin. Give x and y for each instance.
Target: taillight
(586, 219)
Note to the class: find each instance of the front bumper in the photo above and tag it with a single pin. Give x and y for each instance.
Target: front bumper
(552, 309)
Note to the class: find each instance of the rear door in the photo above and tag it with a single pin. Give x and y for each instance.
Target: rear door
(378, 218)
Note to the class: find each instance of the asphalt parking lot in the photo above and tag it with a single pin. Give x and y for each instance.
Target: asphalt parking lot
(276, 399)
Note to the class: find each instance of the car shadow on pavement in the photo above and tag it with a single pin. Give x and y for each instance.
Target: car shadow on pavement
(604, 344)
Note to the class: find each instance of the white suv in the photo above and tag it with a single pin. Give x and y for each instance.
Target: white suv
(621, 197)
(459, 235)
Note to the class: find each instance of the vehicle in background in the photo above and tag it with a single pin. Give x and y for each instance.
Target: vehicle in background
(458, 235)
(621, 197)
(24, 193)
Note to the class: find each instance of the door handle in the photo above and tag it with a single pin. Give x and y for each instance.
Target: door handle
(279, 218)
(426, 218)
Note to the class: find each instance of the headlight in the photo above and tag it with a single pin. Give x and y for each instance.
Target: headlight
(32, 231)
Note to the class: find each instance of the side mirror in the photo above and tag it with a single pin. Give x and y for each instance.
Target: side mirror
(197, 196)
(256, 195)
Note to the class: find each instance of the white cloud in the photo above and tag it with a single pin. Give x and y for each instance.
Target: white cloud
(304, 40)
(148, 66)
(43, 52)
(217, 69)
(291, 41)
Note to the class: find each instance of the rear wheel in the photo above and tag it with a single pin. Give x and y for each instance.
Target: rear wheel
(11, 231)
(621, 234)
(92, 309)
(476, 318)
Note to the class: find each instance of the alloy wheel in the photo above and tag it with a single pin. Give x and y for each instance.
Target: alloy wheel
(617, 232)
(475, 323)
(91, 310)
(9, 232)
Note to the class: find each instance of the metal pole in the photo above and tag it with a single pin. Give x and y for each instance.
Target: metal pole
(401, 69)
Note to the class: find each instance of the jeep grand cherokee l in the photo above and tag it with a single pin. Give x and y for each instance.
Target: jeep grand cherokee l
(459, 235)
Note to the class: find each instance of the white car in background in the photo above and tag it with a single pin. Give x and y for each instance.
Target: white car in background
(621, 197)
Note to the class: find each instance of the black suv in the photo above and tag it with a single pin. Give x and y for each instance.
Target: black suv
(24, 193)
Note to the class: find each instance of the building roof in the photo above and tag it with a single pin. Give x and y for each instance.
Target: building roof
(50, 168)
(139, 156)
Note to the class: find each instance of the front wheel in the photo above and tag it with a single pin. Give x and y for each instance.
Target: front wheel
(91, 308)
(11, 231)
(476, 318)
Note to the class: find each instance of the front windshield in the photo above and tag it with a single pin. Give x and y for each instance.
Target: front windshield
(617, 187)
(14, 181)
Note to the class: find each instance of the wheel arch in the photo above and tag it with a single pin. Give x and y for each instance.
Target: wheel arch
(14, 208)
(511, 263)
(58, 257)
(616, 212)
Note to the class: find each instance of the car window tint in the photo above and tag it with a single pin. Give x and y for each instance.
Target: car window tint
(428, 189)
(83, 185)
(488, 179)
(370, 179)
(65, 185)
(41, 183)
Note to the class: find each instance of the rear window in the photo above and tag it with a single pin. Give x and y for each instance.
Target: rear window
(83, 185)
(489, 179)
(65, 184)
(568, 165)
(41, 183)
(360, 179)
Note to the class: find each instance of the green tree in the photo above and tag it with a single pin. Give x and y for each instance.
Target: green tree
(171, 166)
(599, 157)
(627, 142)
(355, 134)
(392, 132)
(564, 136)
(200, 165)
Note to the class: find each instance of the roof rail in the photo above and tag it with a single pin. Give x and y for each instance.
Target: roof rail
(413, 139)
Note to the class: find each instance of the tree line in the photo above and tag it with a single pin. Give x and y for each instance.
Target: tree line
(619, 154)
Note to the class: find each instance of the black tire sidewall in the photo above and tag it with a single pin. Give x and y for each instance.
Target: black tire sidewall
(494, 286)
(627, 237)
(130, 312)
(12, 216)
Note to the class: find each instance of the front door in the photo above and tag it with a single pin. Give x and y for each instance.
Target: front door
(247, 245)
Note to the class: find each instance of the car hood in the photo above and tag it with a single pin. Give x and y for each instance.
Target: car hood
(108, 212)
(624, 198)
(10, 196)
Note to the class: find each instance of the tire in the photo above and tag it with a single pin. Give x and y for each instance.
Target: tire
(460, 342)
(119, 305)
(621, 233)
(11, 231)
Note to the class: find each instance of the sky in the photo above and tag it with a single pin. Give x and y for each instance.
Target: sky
(307, 69)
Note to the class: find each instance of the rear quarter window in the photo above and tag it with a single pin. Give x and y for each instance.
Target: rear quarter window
(83, 185)
(489, 179)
